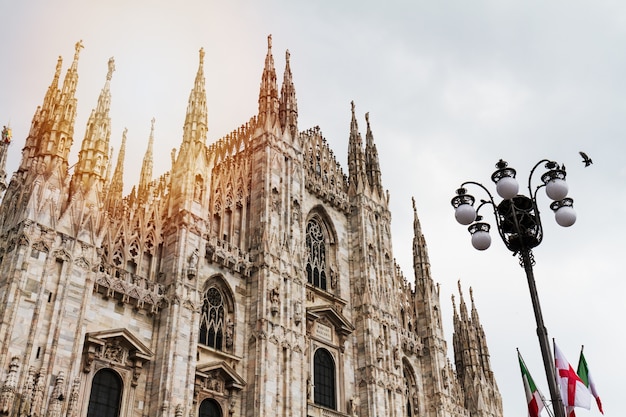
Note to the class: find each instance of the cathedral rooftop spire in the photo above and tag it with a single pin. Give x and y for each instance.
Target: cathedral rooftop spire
(288, 106)
(372, 164)
(116, 188)
(356, 157)
(421, 262)
(268, 94)
(146, 167)
(93, 156)
(196, 119)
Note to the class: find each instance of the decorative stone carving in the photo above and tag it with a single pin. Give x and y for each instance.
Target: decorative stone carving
(297, 312)
(379, 349)
(114, 351)
(7, 395)
(230, 326)
(57, 397)
(192, 264)
(38, 394)
(274, 296)
(131, 292)
(27, 393)
(73, 401)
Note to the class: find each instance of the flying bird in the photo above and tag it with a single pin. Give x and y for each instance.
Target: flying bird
(586, 160)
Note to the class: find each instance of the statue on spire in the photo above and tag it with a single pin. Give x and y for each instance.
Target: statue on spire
(77, 48)
(7, 134)
(111, 68)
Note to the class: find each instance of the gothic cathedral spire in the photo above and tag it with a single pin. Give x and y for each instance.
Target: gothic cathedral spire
(196, 119)
(356, 158)
(146, 168)
(116, 188)
(93, 157)
(372, 166)
(421, 263)
(472, 362)
(188, 175)
(52, 130)
(268, 94)
(288, 106)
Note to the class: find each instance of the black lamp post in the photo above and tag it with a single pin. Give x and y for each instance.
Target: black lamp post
(519, 226)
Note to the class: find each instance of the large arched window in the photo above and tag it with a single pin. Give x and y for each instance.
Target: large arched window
(324, 379)
(209, 408)
(316, 257)
(106, 394)
(411, 390)
(212, 326)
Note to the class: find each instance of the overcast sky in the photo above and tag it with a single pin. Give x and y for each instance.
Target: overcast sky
(451, 87)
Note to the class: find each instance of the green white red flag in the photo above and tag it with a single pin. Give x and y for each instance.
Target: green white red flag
(574, 392)
(533, 397)
(585, 376)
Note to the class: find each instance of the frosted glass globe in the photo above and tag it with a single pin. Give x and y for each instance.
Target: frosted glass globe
(481, 240)
(507, 187)
(565, 216)
(557, 189)
(465, 214)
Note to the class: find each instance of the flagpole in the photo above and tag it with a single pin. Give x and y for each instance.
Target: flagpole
(526, 259)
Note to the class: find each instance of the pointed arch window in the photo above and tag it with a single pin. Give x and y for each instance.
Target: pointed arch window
(212, 319)
(324, 379)
(316, 259)
(411, 390)
(209, 408)
(106, 394)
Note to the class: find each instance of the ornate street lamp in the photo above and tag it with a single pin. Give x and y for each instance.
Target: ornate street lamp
(519, 225)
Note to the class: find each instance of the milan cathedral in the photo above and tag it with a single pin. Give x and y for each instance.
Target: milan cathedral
(254, 278)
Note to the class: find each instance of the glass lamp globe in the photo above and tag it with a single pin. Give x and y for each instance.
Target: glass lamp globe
(565, 216)
(465, 214)
(507, 187)
(557, 189)
(481, 240)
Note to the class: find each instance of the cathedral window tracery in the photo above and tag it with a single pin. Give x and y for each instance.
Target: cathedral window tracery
(216, 320)
(316, 261)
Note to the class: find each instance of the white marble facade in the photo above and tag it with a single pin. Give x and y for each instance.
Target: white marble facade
(255, 278)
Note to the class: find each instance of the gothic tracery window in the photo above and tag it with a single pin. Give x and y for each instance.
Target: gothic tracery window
(212, 325)
(411, 390)
(316, 259)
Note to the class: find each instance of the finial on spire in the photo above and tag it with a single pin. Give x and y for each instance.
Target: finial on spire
(152, 123)
(111, 68)
(269, 41)
(367, 119)
(413, 200)
(201, 56)
(352, 106)
(471, 291)
(287, 55)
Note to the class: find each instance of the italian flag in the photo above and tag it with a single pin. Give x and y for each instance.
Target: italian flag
(533, 397)
(585, 376)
